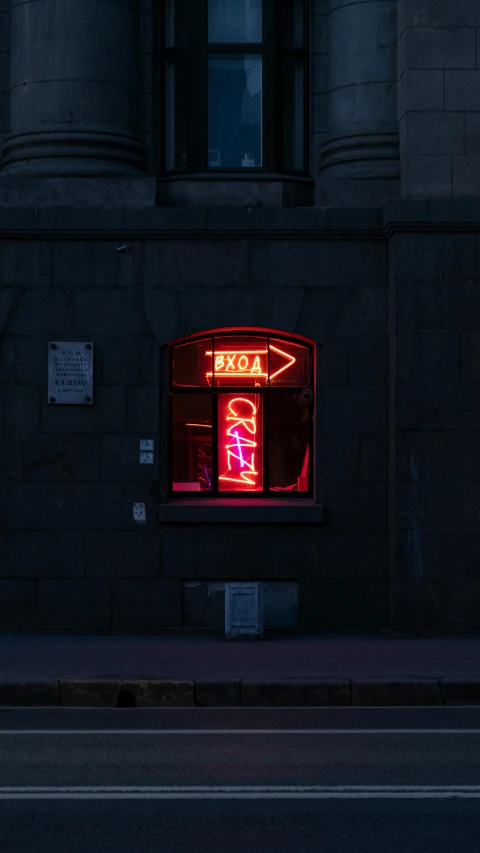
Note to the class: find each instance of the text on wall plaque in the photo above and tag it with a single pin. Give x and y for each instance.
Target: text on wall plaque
(70, 372)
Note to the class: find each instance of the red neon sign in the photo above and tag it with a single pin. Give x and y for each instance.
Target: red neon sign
(251, 363)
(240, 438)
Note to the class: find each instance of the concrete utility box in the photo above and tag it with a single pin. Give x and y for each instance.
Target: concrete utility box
(243, 610)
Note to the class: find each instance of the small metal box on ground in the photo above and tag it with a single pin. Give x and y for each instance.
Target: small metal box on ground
(243, 610)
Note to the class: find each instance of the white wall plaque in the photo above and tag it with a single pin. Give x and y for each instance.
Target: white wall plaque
(146, 458)
(146, 443)
(70, 372)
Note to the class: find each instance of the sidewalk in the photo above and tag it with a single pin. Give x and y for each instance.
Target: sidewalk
(210, 670)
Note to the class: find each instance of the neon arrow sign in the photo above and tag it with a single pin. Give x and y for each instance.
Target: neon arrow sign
(247, 362)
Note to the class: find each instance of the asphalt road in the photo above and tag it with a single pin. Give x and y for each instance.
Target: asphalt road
(227, 780)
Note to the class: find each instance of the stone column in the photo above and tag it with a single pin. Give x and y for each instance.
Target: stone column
(73, 89)
(360, 159)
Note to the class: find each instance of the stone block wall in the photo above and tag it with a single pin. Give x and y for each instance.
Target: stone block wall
(439, 98)
(66, 494)
(72, 555)
(204, 604)
(4, 69)
(394, 312)
(435, 304)
(359, 156)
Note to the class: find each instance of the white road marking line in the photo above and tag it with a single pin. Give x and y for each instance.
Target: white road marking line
(149, 732)
(221, 709)
(260, 792)
(253, 789)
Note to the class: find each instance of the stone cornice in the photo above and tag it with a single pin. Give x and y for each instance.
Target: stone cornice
(195, 223)
(431, 215)
(398, 215)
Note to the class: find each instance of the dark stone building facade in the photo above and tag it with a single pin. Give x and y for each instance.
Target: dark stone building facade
(371, 255)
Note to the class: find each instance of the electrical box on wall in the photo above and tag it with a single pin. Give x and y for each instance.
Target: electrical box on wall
(243, 610)
(146, 456)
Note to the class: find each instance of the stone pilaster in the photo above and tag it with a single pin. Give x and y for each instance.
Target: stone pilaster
(359, 163)
(73, 89)
(4, 67)
(439, 98)
(319, 81)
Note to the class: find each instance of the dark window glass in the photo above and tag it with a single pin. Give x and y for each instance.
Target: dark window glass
(234, 21)
(289, 431)
(192, 442)
(192, 363)
(175, 23)
(293, 23)
(289, 364)
(235, 111)
(235, 86)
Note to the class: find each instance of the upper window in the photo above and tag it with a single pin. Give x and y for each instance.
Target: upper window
(235, 81)
(241, 415)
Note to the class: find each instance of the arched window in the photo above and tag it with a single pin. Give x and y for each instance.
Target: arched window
(241, 415)
(234, 80)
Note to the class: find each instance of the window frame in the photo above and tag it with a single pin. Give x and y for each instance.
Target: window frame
(267, 393)
(194, 56)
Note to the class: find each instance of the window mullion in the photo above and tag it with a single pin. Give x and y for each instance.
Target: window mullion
(215, 489)
(237, 47)
(306, 117)
(197, 107)
(170, 444)
(265, 444)
(310, 449)
(270, 88)
(294, 53)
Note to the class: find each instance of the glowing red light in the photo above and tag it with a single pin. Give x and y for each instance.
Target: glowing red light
(242, 363)
(291, 360)
(238, 363)
(239, 450)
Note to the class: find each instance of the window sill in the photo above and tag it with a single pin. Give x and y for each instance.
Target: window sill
(227, 190)
(231, 510)
(244, 175)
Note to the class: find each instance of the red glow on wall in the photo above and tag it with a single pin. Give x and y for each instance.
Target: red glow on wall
(240, 442)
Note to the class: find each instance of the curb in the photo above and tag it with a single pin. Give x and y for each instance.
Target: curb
(236, 692)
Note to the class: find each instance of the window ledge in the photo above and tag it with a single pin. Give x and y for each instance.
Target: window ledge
(260, 511)
(262, 190)
(245, 175)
